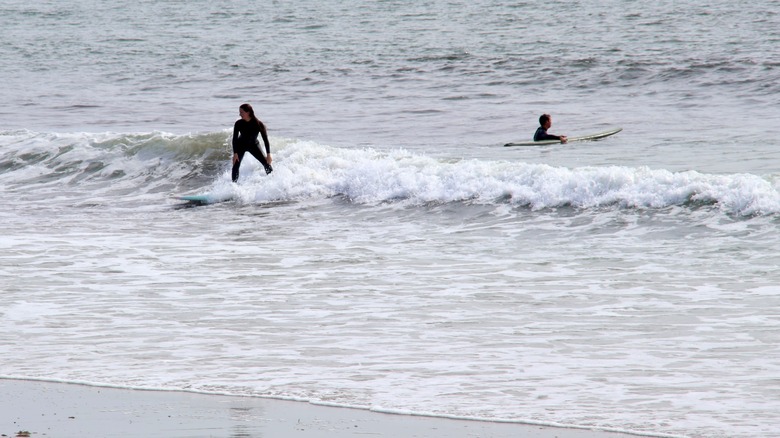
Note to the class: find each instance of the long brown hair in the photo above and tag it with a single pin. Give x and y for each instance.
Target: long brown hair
(248, 109)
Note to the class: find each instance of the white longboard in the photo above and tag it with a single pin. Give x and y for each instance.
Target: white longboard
(570, 139)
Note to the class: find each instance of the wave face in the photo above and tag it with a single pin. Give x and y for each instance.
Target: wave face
(132, 165)
(108, 164)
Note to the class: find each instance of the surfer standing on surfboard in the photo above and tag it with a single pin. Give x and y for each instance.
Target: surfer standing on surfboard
(545, 120)
(245, 133)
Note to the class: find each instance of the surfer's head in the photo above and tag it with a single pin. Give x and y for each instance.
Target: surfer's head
(545, 120)
(246, 112)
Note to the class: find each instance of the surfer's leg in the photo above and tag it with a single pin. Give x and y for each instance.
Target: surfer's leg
(259, 155)
(237, 165)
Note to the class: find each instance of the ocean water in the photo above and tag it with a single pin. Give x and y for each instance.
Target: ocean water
(399, 258)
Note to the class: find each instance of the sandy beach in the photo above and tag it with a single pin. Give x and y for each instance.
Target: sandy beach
(46, 409)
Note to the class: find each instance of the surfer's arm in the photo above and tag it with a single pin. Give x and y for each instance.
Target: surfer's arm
(542, 135)
(546, 136)
(267, 144)
(236, 131)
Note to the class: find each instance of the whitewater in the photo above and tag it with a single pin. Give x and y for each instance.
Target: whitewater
(392, 280)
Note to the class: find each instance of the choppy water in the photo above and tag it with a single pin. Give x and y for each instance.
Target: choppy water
(399, 258)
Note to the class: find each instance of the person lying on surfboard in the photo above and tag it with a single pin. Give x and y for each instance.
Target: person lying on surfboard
(545, 120)
(245, 133)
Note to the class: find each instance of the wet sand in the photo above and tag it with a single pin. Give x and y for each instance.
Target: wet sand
(46, 409)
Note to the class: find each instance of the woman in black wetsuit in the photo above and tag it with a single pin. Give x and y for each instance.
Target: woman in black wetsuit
(245, 133)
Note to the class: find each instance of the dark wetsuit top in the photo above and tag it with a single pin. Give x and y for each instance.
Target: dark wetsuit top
(245, 140)
(245, 136)
(541, 134)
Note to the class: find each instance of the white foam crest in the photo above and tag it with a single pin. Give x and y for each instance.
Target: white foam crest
(305, 170)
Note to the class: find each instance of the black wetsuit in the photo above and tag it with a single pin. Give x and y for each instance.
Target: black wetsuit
(541, 134)
(245, 140)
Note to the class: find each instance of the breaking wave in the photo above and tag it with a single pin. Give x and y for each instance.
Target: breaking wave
(155, 163)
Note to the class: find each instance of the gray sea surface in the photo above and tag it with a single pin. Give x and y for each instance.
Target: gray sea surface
(400, 258)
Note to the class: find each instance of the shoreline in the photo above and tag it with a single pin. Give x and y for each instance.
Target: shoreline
(46, 408)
